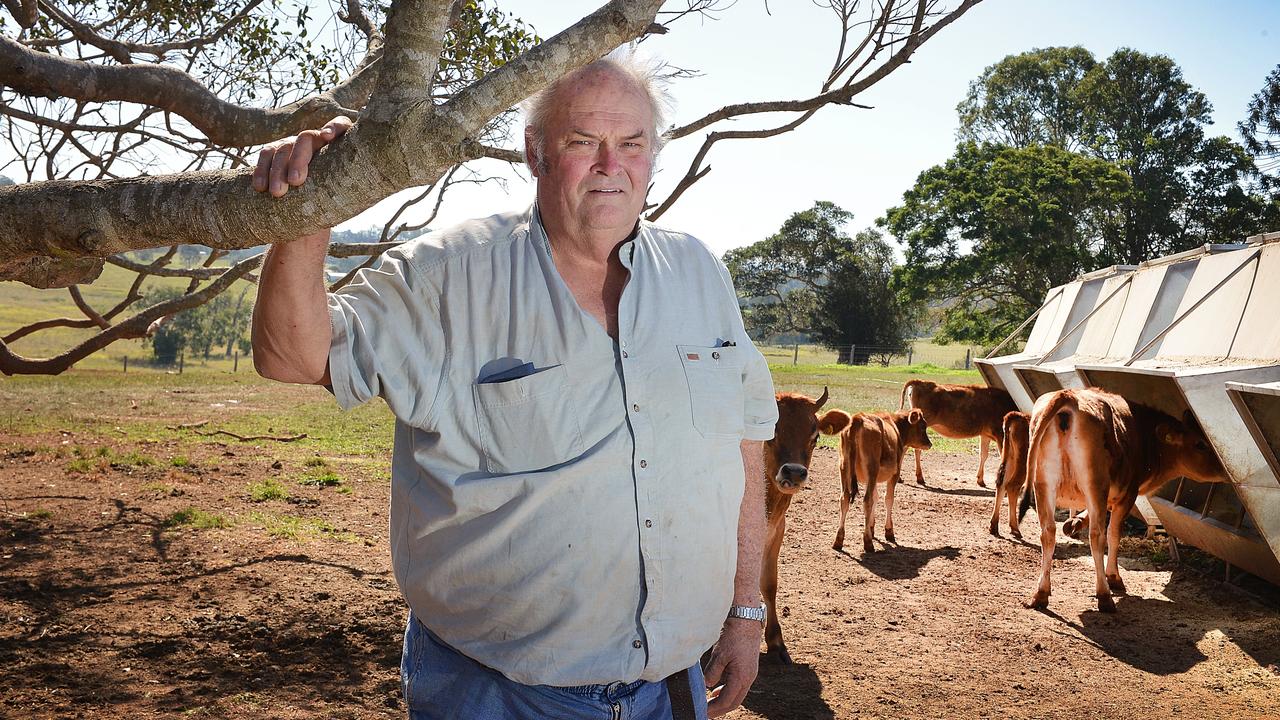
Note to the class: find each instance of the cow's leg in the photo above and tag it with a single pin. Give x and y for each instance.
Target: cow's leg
(1096, 505)
(1014, 495)
(984, 444)
(846, 476)
(919, 471)
(1045, 478)
(888, 507)
(869, 514)
(1113, 547)
(776, 648)
(995, 515)
(869, 444)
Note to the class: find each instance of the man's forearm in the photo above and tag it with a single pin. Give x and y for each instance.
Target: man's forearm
(291, 333)
(746, 583)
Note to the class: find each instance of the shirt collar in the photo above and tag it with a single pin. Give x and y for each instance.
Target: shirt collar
(626, 253)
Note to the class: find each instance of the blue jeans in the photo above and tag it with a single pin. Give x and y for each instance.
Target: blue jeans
(440, 683)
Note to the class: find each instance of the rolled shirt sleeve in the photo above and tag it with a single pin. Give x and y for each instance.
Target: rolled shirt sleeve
(760, 405)
(387, 340)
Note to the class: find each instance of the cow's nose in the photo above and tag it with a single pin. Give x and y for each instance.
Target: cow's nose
(794, 473)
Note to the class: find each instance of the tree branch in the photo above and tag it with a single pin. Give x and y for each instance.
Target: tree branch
(134, 327)
(219, 209)
(44, 75)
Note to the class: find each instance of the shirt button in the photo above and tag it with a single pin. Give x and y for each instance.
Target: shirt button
(624, 354)
(637, 644)
(635, 407)
(644, 463)
(648, 523)
(715, 356)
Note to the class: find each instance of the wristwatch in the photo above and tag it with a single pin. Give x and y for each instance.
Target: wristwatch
(747, 612)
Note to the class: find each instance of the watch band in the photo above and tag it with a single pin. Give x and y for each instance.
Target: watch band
(748, 612)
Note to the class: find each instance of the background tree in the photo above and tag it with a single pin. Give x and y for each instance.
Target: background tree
(995, 227)
(1136, 111)
(93, 54)
(858, 312)
(1260, 129)
(820, 281)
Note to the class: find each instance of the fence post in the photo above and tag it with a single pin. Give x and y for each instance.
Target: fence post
(795, 357)
(126, 363)
(911, 352)
(968, 355)
(182, 360)
(235, 361)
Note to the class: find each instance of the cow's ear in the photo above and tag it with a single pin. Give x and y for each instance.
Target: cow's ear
(916, 416)
(833, 421)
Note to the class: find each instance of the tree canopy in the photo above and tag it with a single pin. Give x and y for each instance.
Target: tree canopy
(1067, 164)
(99, 80)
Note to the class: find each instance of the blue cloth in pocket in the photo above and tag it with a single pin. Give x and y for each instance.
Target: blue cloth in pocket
(514, 373)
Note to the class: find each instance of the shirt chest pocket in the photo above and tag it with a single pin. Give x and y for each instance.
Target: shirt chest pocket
(716, 397)
(528, 423)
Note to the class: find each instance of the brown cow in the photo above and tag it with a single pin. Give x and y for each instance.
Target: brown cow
(786, 467)
(871, 450)
(1096, 449)
(1013, 469)
(960, 411)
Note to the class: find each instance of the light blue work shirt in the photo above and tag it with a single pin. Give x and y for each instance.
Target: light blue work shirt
(564, 506)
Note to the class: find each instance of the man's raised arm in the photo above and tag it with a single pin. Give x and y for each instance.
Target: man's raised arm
(291, 333)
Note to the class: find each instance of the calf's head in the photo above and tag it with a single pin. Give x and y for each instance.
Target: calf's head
(915, 431)
(1186, 443)
(787, 455)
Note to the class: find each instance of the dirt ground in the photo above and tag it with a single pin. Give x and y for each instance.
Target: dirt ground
(109, 610)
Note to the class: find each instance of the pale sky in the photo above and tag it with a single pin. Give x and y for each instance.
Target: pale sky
(863, 160)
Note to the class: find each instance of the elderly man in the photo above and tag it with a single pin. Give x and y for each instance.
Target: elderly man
(576, 504)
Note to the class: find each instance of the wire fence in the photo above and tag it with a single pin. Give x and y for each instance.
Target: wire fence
(951, 357)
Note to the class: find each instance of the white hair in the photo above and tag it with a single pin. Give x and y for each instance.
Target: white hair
(645, 73)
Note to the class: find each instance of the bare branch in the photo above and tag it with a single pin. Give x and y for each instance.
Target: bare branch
(134, 327)
(162, 86)
(88, 311)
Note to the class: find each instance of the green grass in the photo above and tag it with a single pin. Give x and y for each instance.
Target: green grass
(268, 489)
(180, 461)
(196, 518)
(100, 403)
(292, 527)
(40, 514)
(322, 478)
(103, 457)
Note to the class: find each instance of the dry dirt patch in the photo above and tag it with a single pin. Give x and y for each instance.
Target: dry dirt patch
(114, 605)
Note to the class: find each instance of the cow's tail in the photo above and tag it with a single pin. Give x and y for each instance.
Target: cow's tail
(1055, 413)
(907, 388)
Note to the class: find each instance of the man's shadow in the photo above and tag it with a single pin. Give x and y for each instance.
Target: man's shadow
(783, 692)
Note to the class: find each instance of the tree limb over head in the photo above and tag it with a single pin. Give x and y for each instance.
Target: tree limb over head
(379, 157)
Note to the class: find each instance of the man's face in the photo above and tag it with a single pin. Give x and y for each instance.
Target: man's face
(598, 157)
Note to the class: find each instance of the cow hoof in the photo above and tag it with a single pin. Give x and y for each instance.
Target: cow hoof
(1037, 602)
(867, 546)
(981, 483)
(888, 536)
(994, 530)
(920, 481)
(1106, 604)
(1116, 584)
(1015, 532)
(837, 545)
(1073, 528)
